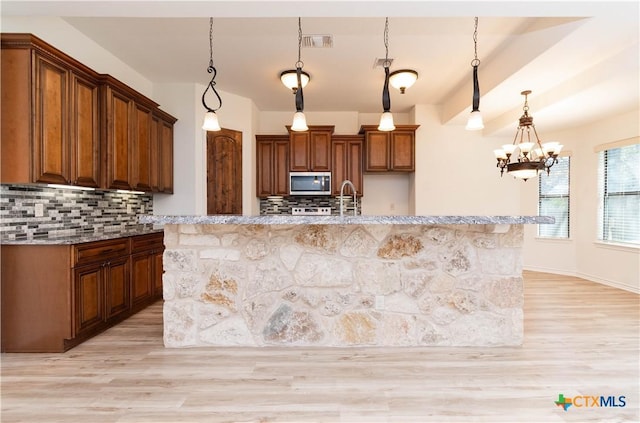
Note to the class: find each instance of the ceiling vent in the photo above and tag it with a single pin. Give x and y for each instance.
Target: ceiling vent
(379, 63)
(317, 41)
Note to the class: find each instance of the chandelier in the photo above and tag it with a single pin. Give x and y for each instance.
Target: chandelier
(211, 118)
(529, 157)
(299, 120)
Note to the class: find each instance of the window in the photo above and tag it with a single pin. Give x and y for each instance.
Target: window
(619, 186)
(553, 199)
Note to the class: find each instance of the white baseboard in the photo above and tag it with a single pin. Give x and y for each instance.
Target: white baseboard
(602, 281)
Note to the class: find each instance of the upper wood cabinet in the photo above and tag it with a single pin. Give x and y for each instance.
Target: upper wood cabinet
(272, 171)
(49, 107)
(310, 151)
(346, 156)
(63, 123)
(389, 151)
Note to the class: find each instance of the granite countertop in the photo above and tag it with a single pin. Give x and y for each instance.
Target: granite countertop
(344, 220)
(85, 236)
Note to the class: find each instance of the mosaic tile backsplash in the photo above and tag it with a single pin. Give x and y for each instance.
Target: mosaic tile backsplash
(283, 205)
(66, 211)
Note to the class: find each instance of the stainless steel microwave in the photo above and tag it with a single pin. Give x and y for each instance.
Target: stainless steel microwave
(310, 183)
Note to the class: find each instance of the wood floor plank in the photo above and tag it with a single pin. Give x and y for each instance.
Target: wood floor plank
(581, 338)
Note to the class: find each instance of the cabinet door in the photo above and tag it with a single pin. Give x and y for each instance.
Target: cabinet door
(403, 151)
(166, 157)
(320, 151)
(377, 151)
(51, 147)
(299, 151)
(117, 287)
(354, 165)
(157, 273)
(281, 168)
(118, 140)
(339, 165)
(141, 277)
(265, 168)
(85, 133)
(141, 149)
(155, 158)
(89, 307)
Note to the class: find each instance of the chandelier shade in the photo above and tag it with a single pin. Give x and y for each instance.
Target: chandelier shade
(289, 79)
(527, 156)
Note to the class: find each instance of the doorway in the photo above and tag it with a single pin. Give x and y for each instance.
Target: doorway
(224, 172)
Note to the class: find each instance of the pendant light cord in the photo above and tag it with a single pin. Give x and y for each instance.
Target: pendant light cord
(211, 69)
(475, 63)
(299, 66)
(386, 98)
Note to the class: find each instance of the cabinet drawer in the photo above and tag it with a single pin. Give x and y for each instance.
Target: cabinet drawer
(147, 242)
(100, 251)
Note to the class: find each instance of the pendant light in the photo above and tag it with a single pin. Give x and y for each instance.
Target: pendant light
(386, 119)
(299, 121)
(211, 118)
(475, 118)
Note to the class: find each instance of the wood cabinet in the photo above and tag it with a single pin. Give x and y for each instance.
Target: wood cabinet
(146, 269)
(49, 109)
(272, 171)
(75, 291)
(346, 157)
(389, 151)
(310, 151)
(62, 122)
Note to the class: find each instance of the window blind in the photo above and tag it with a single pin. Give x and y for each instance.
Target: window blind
(553, 199)
(619, 192)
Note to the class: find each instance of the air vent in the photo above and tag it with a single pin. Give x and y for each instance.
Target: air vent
(317, 41)
(379, 63)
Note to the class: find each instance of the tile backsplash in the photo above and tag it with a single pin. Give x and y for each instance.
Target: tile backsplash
(283, 205)
(35, 211)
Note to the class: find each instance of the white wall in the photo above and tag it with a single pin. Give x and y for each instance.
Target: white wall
(455, 171)
(582, 255)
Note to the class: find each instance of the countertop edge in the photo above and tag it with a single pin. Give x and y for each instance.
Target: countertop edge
(341, 220)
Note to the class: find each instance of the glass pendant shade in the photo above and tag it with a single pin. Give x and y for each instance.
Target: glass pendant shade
(386, 122)
(290, 79)
(211, 122)
(402, 79)
(523, 170)
(475, 121)
(299, 122)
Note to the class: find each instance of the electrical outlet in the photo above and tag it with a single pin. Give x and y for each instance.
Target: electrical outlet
(39, 210)
(379, 302)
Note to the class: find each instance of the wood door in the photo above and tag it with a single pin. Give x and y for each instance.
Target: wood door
(51, 147)
(117, 287)
(141, 277)
(376, 151)
(89, 304)
(119, 128)
(224, 172)
(85, 132)
(141, 149)
(403, 151)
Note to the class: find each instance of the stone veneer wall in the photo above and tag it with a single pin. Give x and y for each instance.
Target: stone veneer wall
(66, 211)
(342, 285)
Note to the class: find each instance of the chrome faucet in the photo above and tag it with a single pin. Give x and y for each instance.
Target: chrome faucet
(355, 200)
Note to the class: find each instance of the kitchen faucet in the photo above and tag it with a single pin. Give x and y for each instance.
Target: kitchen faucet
(355, 200)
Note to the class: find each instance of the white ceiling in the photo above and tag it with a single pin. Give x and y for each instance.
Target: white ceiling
(580, 59)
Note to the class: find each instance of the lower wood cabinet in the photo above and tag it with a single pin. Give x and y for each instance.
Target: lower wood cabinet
(57, 296)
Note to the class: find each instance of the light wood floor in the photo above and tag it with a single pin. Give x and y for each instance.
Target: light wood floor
(581, 338)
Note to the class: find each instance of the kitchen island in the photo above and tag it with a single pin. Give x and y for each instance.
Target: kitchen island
(343, 281)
